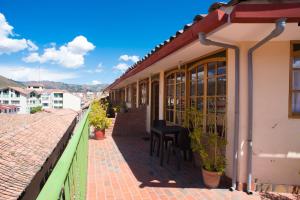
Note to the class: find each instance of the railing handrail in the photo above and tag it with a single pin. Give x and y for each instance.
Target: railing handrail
(55, 182)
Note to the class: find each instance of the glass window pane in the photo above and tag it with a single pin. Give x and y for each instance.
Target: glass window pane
(211, 69)
(171, 116)
(200, 104)
(211, 87)
(211, 105)
(193, 75)
(221, 85)
(200, 72)
(177, 90)
(296, 63)
(192, 88)
(167, 115)
(170, 79)
(296, 102)
(178, 77)
(192, 102)
(171, 90)
(200, 87)
(296, 47)
(221, 68)
(296, 79)
(221, 105)
(172, 102)
(182, 90)
(182, 77)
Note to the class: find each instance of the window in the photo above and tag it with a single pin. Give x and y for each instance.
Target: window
(175, 97)
(15, 102)
(294, 104)
(133, 97)
(208, 86)
(58, 95)
(143, 92)
(127, 94)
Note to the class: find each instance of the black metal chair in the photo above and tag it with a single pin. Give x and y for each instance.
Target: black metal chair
(182, 147)
(156, 137)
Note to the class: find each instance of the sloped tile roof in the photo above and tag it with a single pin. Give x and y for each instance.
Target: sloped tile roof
(26, 141)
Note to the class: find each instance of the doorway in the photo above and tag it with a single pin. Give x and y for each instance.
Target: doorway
(154, 101)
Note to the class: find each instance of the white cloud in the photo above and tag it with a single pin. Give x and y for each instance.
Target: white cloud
(95, 82)
(10, 45)
(126, 58)
(21, 73)
(70, 55)
(121, 67)
(98, 69)
(32, 46)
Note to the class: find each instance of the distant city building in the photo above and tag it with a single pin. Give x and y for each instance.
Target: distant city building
(8, 109)
(34, 96)
(36, 87)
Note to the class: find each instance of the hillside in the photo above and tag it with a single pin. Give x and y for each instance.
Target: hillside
(69, 87)
(4, 82)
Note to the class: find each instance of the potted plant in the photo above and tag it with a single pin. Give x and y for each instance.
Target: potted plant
(99, 120)
(208, 141)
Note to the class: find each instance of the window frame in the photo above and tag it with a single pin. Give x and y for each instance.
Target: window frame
(144, 83)
(204, 63)
(292, 114)
(174, 85)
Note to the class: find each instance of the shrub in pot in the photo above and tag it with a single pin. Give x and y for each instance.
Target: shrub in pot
(98, 120)
(208, 140)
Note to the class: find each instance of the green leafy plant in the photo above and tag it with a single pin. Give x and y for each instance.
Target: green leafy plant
(117, 109)
(206, 141)
(35, 109)
(98, 117)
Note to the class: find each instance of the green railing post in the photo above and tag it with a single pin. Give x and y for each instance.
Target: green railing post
(69, 177)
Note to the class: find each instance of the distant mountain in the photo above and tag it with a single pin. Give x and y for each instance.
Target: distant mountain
(4, 82)
(69, 87)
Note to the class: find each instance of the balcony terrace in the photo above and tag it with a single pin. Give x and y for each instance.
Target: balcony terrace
(120, 167)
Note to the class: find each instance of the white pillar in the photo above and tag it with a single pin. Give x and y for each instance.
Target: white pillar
(137, 94)
(161, 94)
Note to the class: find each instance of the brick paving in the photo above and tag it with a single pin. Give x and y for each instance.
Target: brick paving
(120, 168)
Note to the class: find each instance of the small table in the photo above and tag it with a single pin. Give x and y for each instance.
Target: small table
(162, 132)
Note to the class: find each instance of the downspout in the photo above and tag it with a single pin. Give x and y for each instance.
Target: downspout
(280, 26)
(207, 42)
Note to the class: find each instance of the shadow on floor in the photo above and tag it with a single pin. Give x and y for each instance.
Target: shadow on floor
(149, 173)
(273, 196)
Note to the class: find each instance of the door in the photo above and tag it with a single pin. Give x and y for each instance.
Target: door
(154, 101)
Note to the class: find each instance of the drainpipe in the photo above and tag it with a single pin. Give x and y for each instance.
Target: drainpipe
(279, 28)
(207, 42)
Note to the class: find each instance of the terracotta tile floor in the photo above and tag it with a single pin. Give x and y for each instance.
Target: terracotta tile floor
(121, 168)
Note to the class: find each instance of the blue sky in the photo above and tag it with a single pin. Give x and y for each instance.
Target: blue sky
(83, 41)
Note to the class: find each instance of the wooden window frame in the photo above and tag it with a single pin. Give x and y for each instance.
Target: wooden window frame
(144, 83)
(291, 70)
(205, 95)
(174, 72)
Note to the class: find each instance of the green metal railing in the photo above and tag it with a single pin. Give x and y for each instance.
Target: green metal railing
(69, 177)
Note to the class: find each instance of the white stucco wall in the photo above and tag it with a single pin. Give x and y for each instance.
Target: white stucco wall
(276, 137)
(71, 101)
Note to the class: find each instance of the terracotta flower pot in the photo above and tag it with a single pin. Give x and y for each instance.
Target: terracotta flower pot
(99, 134)
(211, 179)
